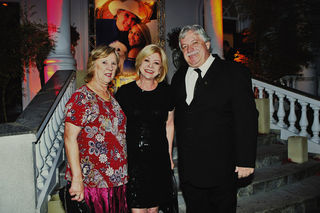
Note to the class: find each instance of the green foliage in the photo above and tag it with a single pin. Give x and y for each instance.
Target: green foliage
(36, 42)
(173, 42)
(173, 38)
(22, 42)
(279, 38)
(75, 36)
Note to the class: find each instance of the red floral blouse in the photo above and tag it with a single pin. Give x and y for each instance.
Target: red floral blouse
(101, 141)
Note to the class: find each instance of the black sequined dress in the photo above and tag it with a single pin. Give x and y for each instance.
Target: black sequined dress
(148, 158)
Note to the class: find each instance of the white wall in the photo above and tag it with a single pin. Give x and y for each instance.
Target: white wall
(17, 179)
(79, 18)
(177, 14)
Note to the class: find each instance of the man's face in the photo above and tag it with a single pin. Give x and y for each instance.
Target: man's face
(194, 49)
(125, 20)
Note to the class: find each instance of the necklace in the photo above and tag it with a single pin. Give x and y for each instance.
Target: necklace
(105, 95)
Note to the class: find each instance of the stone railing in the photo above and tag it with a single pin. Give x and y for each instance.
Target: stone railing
(32, 148)
(292, 112)
(289, 80)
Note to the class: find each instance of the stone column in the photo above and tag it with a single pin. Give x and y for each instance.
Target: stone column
(58, 18)
(213, 24)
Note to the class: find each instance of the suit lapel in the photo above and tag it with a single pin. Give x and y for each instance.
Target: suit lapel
(213, 69)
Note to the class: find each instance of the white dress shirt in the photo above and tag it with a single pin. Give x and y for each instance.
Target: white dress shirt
(192, 76)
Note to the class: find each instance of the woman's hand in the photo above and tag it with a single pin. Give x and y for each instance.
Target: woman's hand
(77, 190)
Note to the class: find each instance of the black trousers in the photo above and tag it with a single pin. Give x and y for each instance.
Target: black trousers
(217, 199)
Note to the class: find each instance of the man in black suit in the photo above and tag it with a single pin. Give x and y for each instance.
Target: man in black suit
(216, 125)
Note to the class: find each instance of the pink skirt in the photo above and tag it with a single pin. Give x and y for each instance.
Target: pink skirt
(106, 200)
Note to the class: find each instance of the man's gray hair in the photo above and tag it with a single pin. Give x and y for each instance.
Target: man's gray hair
(196, 29)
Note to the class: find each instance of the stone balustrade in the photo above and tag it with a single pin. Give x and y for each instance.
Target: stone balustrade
(32, 148)
(293, 112)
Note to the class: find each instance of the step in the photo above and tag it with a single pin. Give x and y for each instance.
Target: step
(271, 155)
(271, 178)
(298, 197)
(55, 205)
(265, 139)
(269, 151)
(267, 155)
(262, 139)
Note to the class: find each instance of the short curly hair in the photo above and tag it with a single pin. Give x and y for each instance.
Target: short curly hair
(149, 50)
(97, 53)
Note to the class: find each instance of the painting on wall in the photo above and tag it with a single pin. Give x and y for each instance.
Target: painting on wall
(128, 26)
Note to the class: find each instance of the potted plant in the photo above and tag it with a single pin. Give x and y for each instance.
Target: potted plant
(23, 43)
(36, 43)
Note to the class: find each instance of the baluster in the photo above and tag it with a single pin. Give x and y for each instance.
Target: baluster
(294, 81)
(270, 92)
(52, 136)
(44, 153)
(315, 125)
(60, 112)
(260, 91)
(281, 113)
(49, 144)
(303, 120)
(56, 130)
(39, 165)
(73, 85)
(288, 80)
(292, 116)
(55, 123)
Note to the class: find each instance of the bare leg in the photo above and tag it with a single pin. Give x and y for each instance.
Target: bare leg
(135, 210)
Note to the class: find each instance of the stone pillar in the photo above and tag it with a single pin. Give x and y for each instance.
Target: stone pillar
(58, 18)
(298, 149)
(263, 108)
(213, 24)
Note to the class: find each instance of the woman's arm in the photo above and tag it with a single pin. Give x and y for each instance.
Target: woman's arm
(71, 132)
(170, 134)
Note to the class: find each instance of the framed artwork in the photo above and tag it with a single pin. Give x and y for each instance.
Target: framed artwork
(128, 26)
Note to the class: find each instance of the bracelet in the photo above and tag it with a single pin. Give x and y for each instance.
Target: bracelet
(77, 181)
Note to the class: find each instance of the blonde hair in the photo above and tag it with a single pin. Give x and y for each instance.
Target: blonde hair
(149, 50)
(97, 53)
(145, 32)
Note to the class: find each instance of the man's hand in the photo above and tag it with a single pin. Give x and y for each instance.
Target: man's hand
(244, 171)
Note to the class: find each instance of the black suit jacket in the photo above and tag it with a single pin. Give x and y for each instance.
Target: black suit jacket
(218, 130)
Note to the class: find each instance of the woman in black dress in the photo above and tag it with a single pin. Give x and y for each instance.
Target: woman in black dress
(150, 129)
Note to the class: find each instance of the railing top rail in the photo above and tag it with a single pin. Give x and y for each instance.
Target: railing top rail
(303, 96)
(35, 117)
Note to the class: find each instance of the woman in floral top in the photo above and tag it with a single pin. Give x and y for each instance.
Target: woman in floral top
(95, 140)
